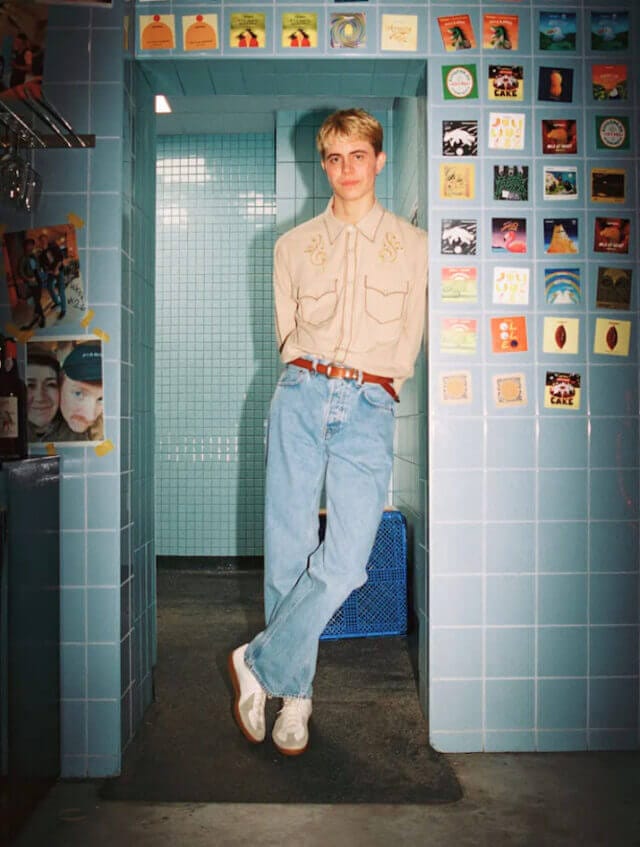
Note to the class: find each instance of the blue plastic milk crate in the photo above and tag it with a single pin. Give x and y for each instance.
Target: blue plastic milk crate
(379, 607)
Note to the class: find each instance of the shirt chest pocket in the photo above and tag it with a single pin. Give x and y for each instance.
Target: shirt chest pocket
(385, 299)
(317, 304)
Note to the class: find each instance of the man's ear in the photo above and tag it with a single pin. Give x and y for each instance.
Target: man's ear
(322, 164)
(381, 159)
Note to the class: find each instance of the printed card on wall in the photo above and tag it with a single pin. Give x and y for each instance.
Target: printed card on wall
(562, 286)
(561, 236)
(455, 387)
(42, 269)
(506, 82)
(509, 390)
(562, 390)
(611, 235)
(610, 30)
(558, 31)
(509, 334)
(157, 32)
(457, 181)
(399, 32)
(511, 286)
(457, 32)
(560, 183)
(555, 84)
(247, 30)
(64, 381)
(508, 235)
(459, 138)
(608, 185)
(459, 284)
(559, 136)
(348, 31)
(459, 237)
(612, 132)
(458, 335)
(510, 182)
(23, 34)
(200, 32)
(299, 29)
(561, 335)
(459, 82)
(506, 130)
(613, 290)
(609, 82)
(612, 338)
(500, 32)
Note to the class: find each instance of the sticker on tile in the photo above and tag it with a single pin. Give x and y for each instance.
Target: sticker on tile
(561, 335)
(511, 285)
(299, 29)
(562, 286)
(608, 185)
(399, 32)
(559, 136)
(459, 335)
(612, 338)
(508, 235)
(610, 30)
(457, 181)
(456, 32)
(500, 32)
(613, 288)
(506, 83)
(511, 182)
(612, 132)
(560, 183)
(458, 237)
(557, 31)
(561, 236)
(562, 390)
(609, 82)
(611, 235)
(509, 334)
(506, 130)
(247, 30)
(200, 32)
(157, 32)
(459, 284)
(459, 138)
(459, 82)
(555, 84)
(348, 31)
(455, 388)
(509, 389)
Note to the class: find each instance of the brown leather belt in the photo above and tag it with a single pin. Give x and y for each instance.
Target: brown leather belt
(338, 372)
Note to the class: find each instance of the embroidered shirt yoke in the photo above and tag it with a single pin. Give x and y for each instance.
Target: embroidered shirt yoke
(352, 294)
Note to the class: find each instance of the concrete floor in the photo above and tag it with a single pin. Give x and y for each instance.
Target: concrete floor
(522, 800)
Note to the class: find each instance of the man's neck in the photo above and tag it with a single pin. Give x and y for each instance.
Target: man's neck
(352, 213)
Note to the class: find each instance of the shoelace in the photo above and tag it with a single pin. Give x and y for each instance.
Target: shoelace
(293, 715)
(256, 712)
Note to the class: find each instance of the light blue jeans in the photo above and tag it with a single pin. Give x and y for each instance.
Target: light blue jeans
(332, 432)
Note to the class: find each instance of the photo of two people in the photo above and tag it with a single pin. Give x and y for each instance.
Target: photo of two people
(64, 391)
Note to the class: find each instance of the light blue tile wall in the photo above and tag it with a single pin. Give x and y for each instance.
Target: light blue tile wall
(215, 347)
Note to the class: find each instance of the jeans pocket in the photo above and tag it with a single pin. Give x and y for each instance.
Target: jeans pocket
(375, 395)
(291, 375)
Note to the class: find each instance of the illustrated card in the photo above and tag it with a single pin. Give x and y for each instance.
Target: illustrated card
(459, 82)
(561, 236)
(559, 136)
(561, 335)
(608, 185)
(248, 30)
(611, 235)
(612, 337)
(157, 32)
(509, 235)
(200, 32)
(500, 32)
(459, 284)
(348, 31)
(509, 334)
(459, 138)
(557, 31)
(510, 182)
(509, 390)
(299, 29)
(457, 181)
(399, 32)
(612, 132)
(609, 82)
(562, 390)
(458, 335)
(459, 237)
(610, 30)
(455, 387)
(562, 286)
(613, 289)
(506, 130)
(511, 286)
(555, 84)
(457, 32)
(560, 183)
(506, 82)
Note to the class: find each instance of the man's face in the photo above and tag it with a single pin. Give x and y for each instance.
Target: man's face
(351, 166)
(80, 403)
(43, 394)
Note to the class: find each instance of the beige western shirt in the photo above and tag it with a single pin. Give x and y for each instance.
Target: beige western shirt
(352, 294)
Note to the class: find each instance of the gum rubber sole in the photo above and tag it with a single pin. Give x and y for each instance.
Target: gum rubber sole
(236, 703)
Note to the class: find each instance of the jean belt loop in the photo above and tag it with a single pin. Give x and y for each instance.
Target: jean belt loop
(314, 362)
(360, 377)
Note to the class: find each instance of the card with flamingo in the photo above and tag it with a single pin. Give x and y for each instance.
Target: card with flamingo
(508, 235)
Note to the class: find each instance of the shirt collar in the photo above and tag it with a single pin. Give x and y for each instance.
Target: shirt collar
(368, 226)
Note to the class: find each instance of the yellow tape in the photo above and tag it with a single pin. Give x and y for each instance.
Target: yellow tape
(84, 323)
(20, 335)
(104, 447)
(51, 449)
(101, 334)
(74, 220)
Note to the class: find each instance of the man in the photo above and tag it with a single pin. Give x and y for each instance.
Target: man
(81, 396)
(350, 298)
(52, 265)
(31, 273)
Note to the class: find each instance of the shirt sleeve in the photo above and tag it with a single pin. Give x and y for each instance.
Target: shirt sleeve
(284, 296)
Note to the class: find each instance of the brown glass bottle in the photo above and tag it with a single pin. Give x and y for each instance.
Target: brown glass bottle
(13, 404)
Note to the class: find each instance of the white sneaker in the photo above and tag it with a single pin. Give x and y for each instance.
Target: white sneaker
(251, 697)
(290, 731)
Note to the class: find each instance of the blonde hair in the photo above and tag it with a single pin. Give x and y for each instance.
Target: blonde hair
(350, 123)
